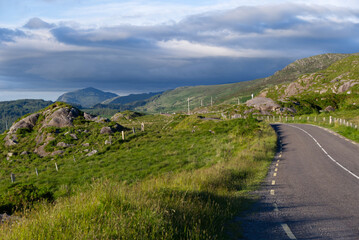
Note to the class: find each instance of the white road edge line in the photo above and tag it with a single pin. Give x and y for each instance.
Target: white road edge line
(288, 231)
(315, 140)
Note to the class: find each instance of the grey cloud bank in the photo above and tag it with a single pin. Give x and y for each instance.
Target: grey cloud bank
(210, 48)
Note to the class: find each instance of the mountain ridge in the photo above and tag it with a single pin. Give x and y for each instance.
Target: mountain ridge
(176, 100)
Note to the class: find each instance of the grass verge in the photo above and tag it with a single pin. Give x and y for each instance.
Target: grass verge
(192, 204)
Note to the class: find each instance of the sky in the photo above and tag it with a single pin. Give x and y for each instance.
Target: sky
(48, 47)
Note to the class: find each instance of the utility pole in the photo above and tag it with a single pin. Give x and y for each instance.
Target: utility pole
(188, 106)
(211, 102)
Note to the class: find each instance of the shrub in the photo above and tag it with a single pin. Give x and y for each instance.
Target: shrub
(23, 196)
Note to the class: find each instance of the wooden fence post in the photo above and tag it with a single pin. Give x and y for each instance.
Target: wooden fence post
(12, 176)
(123, 135)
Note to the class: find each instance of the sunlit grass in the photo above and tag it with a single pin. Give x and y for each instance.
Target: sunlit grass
(185, 202)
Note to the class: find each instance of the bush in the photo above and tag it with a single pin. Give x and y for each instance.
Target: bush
(23, 196)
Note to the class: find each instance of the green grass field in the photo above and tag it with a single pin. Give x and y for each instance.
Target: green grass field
(182, 178)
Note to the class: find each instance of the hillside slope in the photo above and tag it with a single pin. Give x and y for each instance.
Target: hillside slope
(176, 100)
(86, 97)
(336, 86)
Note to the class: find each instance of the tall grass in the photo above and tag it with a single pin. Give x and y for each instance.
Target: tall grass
(191, 204)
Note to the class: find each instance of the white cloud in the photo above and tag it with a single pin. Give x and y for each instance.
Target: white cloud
(186, 49)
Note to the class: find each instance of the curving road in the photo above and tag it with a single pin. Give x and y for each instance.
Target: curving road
(312, 189)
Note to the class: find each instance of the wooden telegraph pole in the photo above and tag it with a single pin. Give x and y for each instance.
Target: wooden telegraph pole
(188, 106)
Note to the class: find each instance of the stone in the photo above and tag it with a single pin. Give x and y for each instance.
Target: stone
(263, 104)
(74, 136)
(58, 152)
(64, 145)
(329, 109)
(106, 130)
(10, 142)
(92, 153)
(86, 144)
(62, 117)
(27, 123)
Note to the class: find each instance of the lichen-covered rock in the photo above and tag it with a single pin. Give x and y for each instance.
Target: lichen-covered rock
(62, 117)
(27, 123)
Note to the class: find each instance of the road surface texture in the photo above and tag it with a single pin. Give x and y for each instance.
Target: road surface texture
(312, 188)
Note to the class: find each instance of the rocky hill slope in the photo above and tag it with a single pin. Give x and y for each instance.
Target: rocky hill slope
(176, 100)
(57, 130)
(336, 87)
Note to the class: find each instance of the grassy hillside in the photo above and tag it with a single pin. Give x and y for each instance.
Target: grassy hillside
(336, 86)
(12, 110)
(184, 177)
(176, 100)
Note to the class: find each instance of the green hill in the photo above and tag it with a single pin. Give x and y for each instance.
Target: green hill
(176, 100)
(336, 86)
(183, 177)
(86, 97)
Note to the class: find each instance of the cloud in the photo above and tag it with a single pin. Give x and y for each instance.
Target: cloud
(37, 23)
(8, 35)
(214, 47)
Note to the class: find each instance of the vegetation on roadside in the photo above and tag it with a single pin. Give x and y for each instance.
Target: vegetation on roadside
(184, 177)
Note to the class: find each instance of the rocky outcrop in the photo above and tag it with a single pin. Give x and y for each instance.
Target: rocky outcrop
(263, 104)
(346, 86)
(97, 119)
(111, 130)
(27, 123)
(62, 117)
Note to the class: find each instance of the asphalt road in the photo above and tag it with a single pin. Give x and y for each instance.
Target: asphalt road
(312, 189)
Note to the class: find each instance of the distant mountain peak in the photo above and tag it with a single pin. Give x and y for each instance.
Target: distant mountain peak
(86, 97)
